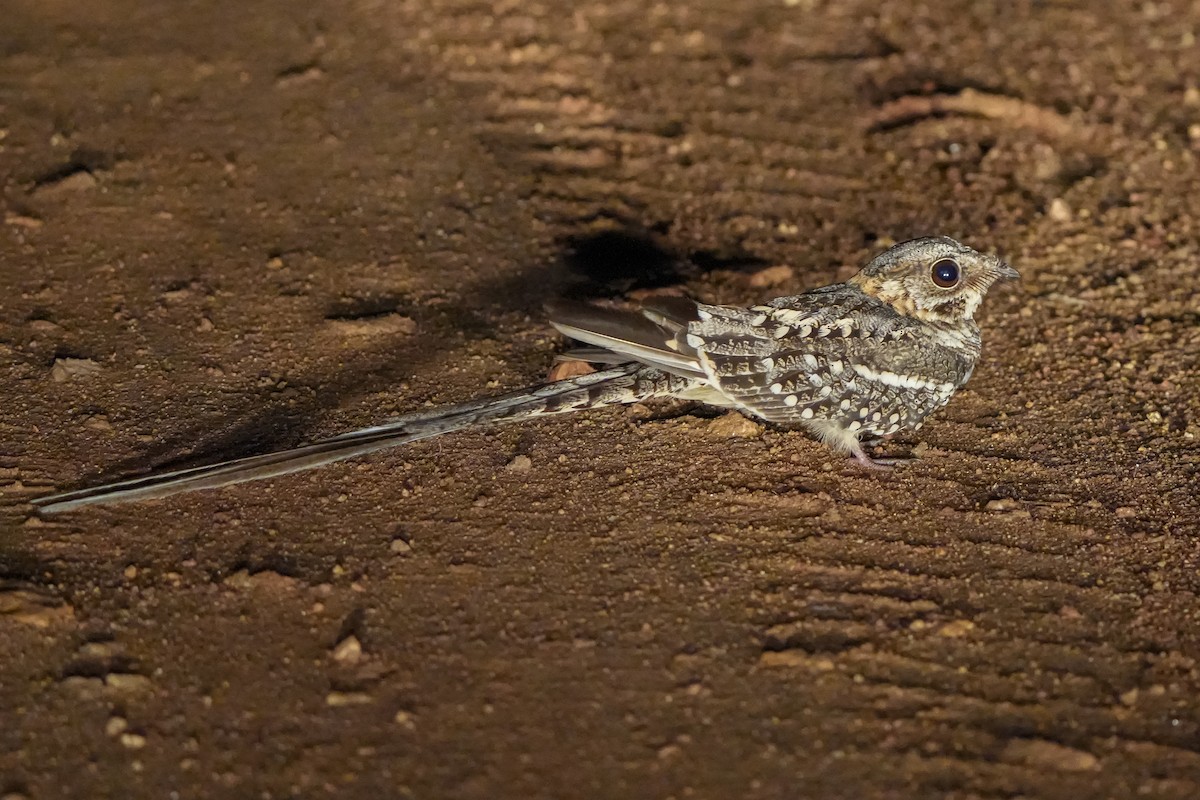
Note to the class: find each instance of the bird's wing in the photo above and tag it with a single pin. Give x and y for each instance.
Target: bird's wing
(778, 360)
(656, 335)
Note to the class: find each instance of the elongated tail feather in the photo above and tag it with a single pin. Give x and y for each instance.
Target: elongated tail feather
(624, 384)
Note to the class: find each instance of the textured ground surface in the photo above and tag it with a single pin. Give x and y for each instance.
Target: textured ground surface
(228, 227)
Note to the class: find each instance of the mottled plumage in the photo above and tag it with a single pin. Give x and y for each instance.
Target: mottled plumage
(869, 357)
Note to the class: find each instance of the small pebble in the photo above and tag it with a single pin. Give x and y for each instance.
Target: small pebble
(735, 426)
(338, 699)
(1059, 211)
(84, 688)
(771, 277)
(956, 629)
(133, 741)
(384, 325)
(22, 221)
(521, 463)
(127, 682)
(98, 422)
(79, 181)
(569, 369)
(669, 751)
(68, 369)
(1049, 755)
(348, 651)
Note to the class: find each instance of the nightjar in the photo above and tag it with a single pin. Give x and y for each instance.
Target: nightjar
(865, 358)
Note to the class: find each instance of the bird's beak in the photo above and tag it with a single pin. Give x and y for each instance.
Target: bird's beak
(1003, 271)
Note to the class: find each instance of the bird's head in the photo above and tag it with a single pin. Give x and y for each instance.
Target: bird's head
(934, 279)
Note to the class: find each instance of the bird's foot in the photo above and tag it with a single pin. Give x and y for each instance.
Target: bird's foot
(881, 464)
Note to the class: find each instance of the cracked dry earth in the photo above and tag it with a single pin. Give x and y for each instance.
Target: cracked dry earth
(230, 227)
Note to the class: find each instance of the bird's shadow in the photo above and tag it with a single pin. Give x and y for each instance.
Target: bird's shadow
(602, 264)
(613, 262)
(630, 258)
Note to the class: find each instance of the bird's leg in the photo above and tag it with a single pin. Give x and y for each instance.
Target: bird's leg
(865, 460)
(882, 464)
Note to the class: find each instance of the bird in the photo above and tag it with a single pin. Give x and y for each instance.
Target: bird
(872, 356)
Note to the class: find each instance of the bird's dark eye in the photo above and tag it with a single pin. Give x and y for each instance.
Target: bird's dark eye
(945, 273)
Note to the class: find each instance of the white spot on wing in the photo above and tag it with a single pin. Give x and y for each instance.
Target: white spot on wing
(888, 378)
(793, 317)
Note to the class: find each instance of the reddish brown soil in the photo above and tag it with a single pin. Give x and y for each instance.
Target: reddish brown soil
(234, 226)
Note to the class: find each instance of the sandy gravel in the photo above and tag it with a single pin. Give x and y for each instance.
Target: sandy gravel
(226, 227)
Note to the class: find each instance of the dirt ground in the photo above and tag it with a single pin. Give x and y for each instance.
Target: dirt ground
(229, 227)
